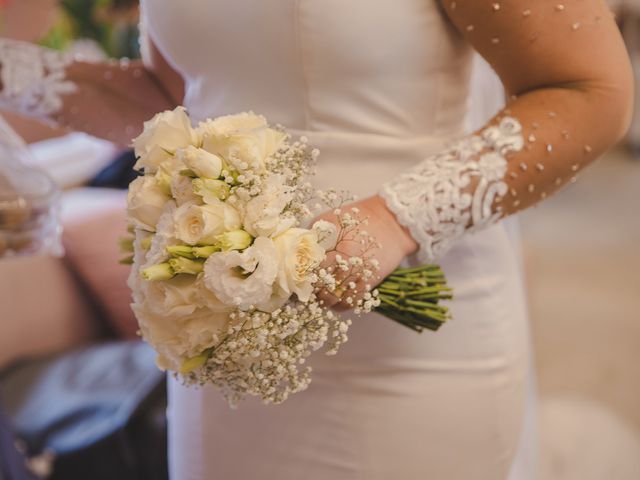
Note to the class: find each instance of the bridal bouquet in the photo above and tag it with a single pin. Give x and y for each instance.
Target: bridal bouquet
(226, 269)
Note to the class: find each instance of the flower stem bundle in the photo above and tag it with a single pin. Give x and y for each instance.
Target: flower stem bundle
(411, 297)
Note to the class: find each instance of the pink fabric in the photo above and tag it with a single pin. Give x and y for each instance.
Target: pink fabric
(93, 253)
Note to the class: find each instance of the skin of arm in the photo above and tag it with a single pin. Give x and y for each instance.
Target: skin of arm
(570, 83)
(568, 75)
(112, 100)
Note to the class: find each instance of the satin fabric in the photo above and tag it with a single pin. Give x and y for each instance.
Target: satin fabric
(376, 86)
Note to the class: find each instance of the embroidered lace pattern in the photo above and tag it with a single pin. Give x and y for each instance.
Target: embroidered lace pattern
(455, 191)
(33, 79)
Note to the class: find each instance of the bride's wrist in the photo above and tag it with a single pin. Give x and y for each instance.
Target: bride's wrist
(406, 242)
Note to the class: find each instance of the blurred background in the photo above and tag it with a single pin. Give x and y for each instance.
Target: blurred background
(581, 262)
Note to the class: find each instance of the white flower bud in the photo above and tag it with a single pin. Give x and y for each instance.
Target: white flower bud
(204, 164)
(234, 240)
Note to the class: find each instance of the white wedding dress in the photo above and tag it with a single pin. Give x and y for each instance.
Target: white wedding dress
(376, 86)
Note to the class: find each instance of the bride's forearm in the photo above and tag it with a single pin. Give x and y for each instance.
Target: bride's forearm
(569, 71)
(106, 99)
(534, 147)
(112, 100)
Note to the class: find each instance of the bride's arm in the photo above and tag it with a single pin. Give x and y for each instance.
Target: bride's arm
(568, 74)
(570, 84)
(110, 100)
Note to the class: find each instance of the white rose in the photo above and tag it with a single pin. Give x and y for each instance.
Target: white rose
(145, 202)
(152, 159)
(263, 214)
(156, 253)
(299, 254)
(176, 339)
(168, 130)
(204, 164)
(254, 286)
(197, 224)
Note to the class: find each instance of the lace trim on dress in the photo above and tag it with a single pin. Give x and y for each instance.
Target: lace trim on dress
(454, 191)
(33, 79)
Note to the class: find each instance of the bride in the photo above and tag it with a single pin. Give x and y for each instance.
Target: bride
(381, 89)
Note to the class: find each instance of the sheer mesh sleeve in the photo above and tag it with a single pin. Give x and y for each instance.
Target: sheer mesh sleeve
(107, 98)
(33, 79)
(569, 81)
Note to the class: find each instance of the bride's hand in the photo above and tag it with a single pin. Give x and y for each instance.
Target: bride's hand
(394, 240)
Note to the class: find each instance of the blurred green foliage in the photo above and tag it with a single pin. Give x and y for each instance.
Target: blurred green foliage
(112, 24)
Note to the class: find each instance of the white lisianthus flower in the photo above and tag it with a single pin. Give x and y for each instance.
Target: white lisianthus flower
(178, 338)
(299, 253)
(263, 214)
(204, 164)
(177, 296)
(228, 124)
(145, 202)
(165, 227)
(140, 252)
(243, 279)
(206, 298)
(327, 234)
(164, 237)
(200, 224)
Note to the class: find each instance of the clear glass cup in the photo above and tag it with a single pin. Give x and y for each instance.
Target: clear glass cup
(29, 202)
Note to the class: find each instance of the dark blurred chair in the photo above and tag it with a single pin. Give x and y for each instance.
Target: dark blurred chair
(13, 464)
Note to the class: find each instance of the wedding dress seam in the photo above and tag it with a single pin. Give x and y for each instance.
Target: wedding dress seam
(301, 62)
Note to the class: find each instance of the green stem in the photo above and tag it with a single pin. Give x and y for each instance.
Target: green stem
(421, 268)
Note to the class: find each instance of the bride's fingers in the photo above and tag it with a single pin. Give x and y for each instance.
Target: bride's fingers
(328, 299)
(356, 292)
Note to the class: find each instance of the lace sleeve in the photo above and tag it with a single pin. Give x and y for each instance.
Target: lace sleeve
(33, 79)
(569, 81)
(453, 191)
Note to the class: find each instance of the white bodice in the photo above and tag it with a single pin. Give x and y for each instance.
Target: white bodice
(322, 62)
(364, 102)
